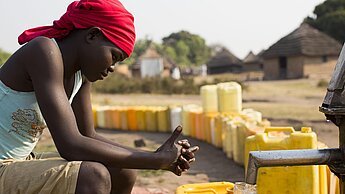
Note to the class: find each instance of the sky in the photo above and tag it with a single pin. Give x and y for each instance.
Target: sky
(239, 25)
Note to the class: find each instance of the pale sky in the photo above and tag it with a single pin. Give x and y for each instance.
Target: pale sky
(239, 25)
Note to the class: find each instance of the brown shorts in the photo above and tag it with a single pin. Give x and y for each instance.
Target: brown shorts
(38, 175)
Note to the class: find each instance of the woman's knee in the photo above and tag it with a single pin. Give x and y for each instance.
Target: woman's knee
(94, 177)
(129, 174)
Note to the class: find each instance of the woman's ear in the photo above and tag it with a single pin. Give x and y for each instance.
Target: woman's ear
(93, 33)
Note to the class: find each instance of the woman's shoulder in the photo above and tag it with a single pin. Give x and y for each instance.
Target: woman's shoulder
(38, 50)
(41, 44)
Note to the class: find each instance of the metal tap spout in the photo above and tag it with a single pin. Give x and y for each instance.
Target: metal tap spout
(259, 159)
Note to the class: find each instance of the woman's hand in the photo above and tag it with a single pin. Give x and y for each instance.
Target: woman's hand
(187, 154)
(177, 157)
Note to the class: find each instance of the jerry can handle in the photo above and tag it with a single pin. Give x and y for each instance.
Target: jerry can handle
(279, 129)
(210, 190)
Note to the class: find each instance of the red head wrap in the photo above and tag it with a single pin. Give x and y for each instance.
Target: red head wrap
(110, 16)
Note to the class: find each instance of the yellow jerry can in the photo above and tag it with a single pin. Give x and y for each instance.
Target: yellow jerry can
(210, 124)
(116, 115)
(209, 98)
(206, 188)
(229, 97)
(132, 119)
(140, 115)
(163, 119)
(151, 119)
(287, 179)
(124, 120)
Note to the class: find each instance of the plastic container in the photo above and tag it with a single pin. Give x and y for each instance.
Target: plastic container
(140, 116)
(115, 114)
(252, 114)
(240, 130)
(199, 126)
(151, 119)
(94, 113)
(229, 97)
(209, 98)
(186, 118)
(132, 119)
(289, 179)
(194, 121)
(124, 117)
(101, 117)
(217, 132)
(206, 188)
(210, 125)
(329, 181)
(163, 119)
(109, 122)
(175, 117)
(227, 137)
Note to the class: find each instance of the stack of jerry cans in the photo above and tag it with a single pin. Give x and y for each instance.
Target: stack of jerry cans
(288, 179)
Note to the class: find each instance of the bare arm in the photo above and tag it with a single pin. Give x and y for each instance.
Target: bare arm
(83, 112)
(61, 121)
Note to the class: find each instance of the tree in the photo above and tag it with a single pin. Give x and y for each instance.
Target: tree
(330, 18)
(3, 56)
(190, 49)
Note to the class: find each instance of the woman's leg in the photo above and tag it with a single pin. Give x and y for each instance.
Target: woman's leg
(122, 180)
(93, 178)
(96, 178)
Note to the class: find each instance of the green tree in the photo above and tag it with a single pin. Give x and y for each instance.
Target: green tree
(197, 52)
(3, 56)
(330, 18)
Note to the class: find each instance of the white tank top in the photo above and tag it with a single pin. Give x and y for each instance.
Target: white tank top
(21, 121)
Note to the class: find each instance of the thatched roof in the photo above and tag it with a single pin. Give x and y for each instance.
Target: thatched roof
(223, 57)
(251, 58)
(150, 53)
(305, 40)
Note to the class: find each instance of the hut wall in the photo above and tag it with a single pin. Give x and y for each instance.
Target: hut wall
(252, 67)
(295, 67)
(314, 67)
(271, 69)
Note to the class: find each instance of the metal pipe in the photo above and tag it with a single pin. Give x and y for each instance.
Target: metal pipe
(259, 159)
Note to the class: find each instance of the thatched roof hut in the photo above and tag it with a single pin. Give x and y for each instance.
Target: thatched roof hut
(305, 40)
(224, 61)
(299, 53)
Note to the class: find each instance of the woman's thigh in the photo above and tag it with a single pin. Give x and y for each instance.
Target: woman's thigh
(39, 176)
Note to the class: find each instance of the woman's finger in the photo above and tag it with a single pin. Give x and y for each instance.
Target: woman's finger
(183, 163)
(184, 144)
